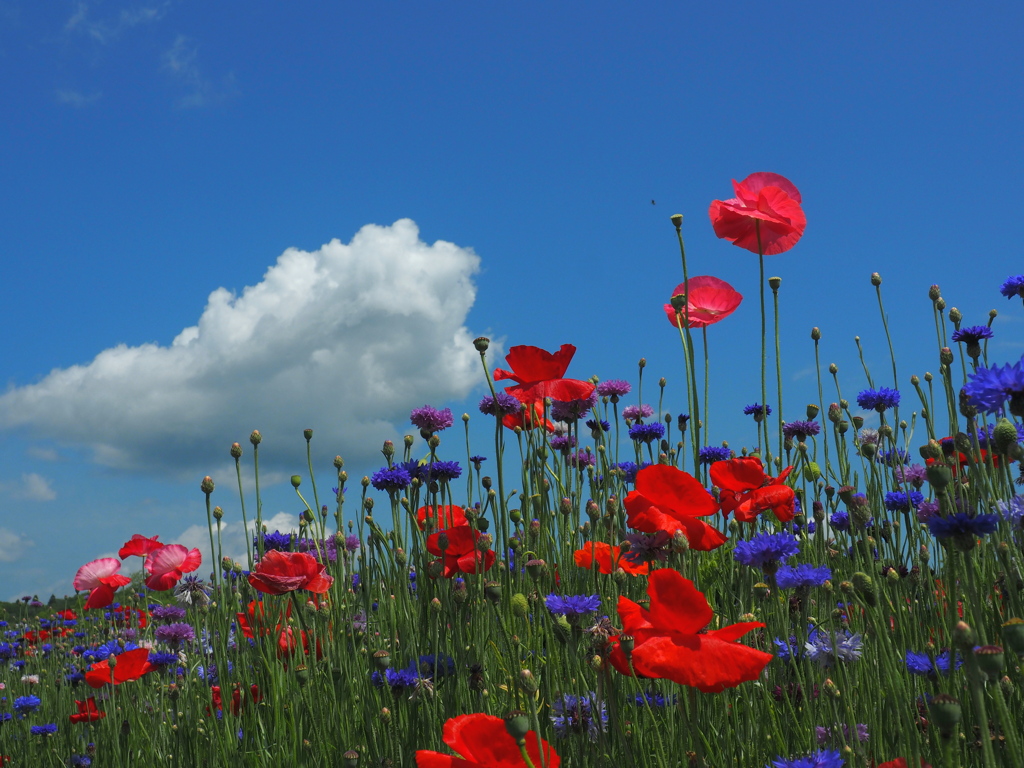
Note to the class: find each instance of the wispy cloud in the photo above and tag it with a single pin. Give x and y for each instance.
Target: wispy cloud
(75, 98)
(45, 454)
(104, 30)
(31, 487)
(12, 545)
(234, 543)
(181, 60)
(346, 339)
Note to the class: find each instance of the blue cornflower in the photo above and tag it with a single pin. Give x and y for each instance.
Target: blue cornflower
(788, 650)
(578, 714)
(709, 454)
(501, 404)
(898, 501)
(436, 665)
(1013, 286)
(630, 468)
(894, 458)
(654, 699)
(802, 575)
(826, 648)
(758, 411)
(824, 758)
(80, 761)
(23, 705)
(766, 548)
(396, 679)
(920, 664)
(162, 659)
(572, 605)
(840, 520)
(972, 334)
(440, 471)
(430, 419)
(647, 433)
(962, 525)
(598, 425)
(878, 399)
(988, 389)
(391, 479)
(799, 430)
(985, 434)
(44, 730)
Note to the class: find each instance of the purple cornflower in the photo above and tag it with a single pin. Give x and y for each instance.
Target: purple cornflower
(25, 705)
(476, 461)
(501, 404)
(429, 419)
(898, 501)
(572, 605)
(879, 399)
(578, 715)
(582, 459)
(572, 410)
(682, 420)
(44, 730)
(647, 547)
(920, 664)
(175, 634)
(614, 388)
(168, 613)
(802, 575)
(988, 389)
(972, 334)
(915, 474)
(758, 411)
(647, 433)
(826, 648)
(630, 468)
(352, 543)
(391, 479)
(598, 425)
(766, 549)
(840, 520)
(927, 510)
(824, 733)
(1012, 510)
(709, 454)
(637, 412)
(892, 458)
(825, 758)
(562, 442)
(1013, 286)
(799, 430)
(276, 540)
(868, 436)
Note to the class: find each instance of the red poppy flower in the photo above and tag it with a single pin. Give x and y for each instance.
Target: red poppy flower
(138, 545)
(236, 698)
(88, 712)
(255, 616)
(102, 578)
(708, 301)
(608, 559)
(669, 641)
(461, 555)
(764, 201)
(531, 417)
(130, 665)
(748, 491)
(444, 517)
(166, 565)
(901, 762)
(538, 374)
(668, 499)
(279, 572)
(482, 741)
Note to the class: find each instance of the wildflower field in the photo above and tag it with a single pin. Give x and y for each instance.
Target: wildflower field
(598, 586)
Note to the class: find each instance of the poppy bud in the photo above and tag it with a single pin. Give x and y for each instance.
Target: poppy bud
(515, 516)
(492, 591)
(481, 343)
(678, 302)
(945, 713)
(296, 481)
(1013, 636)
(811, 471)
(677, 219)
(858, 422)
(236, 451)
(255, 437)
(812, 411)
(627, 643)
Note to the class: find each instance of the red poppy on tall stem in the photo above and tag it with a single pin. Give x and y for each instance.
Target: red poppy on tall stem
(669, 640)
(168, 564)
(608, 558)
(139, 545)
(765, 214)
(102, 578)
(530, 417)
(461, 554)
(443, 517)
(88, 712)
(538, 374)
(748, 491)
(280, 572)
(482, 741)
(130, 665)
(667, 499)
(708, 300)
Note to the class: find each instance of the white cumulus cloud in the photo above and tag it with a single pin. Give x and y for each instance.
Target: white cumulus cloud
(12, 545)
(33, 487)
(233, 541)
(345, 339)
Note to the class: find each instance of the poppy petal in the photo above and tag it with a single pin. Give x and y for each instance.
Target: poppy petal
(672, 489)
(90, 574)
(530, 363)
(740, 474)
(700, 661)
(139, 546)
(676, 604)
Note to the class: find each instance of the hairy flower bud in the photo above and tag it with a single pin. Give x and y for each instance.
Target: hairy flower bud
(206, 486)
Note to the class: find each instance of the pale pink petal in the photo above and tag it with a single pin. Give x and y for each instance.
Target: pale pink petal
(89, 575)
(192, 561)
(168, 558)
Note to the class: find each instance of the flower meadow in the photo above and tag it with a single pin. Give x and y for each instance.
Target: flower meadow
(598, 586)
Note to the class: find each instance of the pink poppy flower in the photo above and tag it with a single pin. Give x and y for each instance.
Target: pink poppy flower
(101, 577)
(766, 204)
(139, 546)
(708, 301)
(168, 564)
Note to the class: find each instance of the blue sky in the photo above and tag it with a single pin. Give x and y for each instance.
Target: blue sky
(161, 158)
